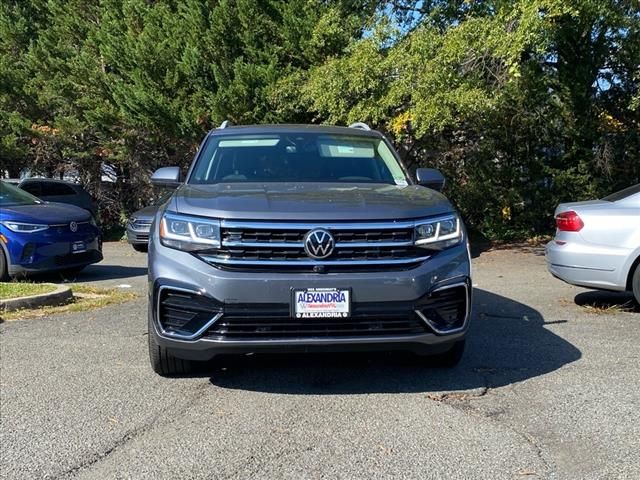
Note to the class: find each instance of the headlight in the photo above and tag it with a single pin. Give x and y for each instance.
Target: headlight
(189, 233)
(438, 233)
(20, 227)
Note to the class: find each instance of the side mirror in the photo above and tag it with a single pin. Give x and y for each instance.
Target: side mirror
(166, 177)
(430, 178)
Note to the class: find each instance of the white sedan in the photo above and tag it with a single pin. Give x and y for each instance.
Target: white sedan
(597, 243)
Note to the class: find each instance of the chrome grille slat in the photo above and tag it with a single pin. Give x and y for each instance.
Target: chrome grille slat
(311, 263)
(304, 226)
(231, 243)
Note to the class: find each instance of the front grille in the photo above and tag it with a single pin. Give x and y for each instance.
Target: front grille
(142, 225)
(184, 312)
(81, 227)
(260, 246)
(275, 254)
(297, 235)
(274, 322)
(445, 309)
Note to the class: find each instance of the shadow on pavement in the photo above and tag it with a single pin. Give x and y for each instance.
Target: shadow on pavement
(91, 273)
(109, 272)
(507, 343)
(602, 300)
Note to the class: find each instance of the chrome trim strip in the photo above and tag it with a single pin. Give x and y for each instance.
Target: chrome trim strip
(310, 263)
(178, 335)
(67, 224)
(373, 244)
(431, 325)
(328, 225)
(231, 243)
(583, 268)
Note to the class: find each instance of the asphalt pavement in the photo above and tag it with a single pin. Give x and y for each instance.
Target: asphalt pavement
(548, 388)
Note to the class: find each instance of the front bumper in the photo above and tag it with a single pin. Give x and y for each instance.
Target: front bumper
(58, 262)
(137, 236)
(52, 250)
(379, 299)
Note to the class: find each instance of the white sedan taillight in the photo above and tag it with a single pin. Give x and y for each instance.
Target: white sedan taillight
(569, 222)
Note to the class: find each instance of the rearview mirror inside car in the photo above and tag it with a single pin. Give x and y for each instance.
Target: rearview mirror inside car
(430, 178)
(166, 177)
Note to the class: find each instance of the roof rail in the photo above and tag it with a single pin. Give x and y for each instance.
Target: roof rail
(225, 124)
(360, 125)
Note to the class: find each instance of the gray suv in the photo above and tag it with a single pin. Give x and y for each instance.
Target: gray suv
(304, 238)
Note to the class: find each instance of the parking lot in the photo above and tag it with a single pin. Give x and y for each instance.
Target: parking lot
(548, 388)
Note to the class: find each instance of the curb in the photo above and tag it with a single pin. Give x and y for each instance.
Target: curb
(61, 295)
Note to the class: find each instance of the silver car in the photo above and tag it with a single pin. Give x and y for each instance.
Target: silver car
(139, 224)
(597, 243)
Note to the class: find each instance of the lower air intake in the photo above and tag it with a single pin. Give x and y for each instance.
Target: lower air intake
(445, 309)
(185, 312)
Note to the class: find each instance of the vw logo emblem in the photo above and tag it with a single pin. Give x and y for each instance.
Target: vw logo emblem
(319, 243)
(73, 226)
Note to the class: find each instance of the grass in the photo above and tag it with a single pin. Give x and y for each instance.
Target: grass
(84, 298)
(608, 309)
(606, 303)
(23, 289)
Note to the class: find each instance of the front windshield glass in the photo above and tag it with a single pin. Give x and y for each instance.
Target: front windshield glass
(297, 157)
(11, 196)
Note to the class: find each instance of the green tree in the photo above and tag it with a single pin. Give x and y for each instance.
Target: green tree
(522, 103)
(136, 84)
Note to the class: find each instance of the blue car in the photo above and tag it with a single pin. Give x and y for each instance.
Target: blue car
(37, 236)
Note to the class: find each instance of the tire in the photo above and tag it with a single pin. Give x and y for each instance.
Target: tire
(4, 267)
(165, 364)
(449, 359)
(140, 247)
(635, 284)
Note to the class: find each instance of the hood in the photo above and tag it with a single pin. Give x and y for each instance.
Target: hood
(146, 213)
(309, 201)
(45, 213)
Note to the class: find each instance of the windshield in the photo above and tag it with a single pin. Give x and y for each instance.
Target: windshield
(297, 157)
(622, 194)
(11, 196)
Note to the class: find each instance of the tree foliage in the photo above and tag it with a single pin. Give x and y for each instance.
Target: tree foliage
(522, 103)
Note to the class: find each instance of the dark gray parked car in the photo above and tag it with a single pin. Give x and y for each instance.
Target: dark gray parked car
(304, 238)
(51, 190)
(139, 224)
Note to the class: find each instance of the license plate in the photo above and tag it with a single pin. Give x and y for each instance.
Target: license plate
(321, 303)
(78, 247)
